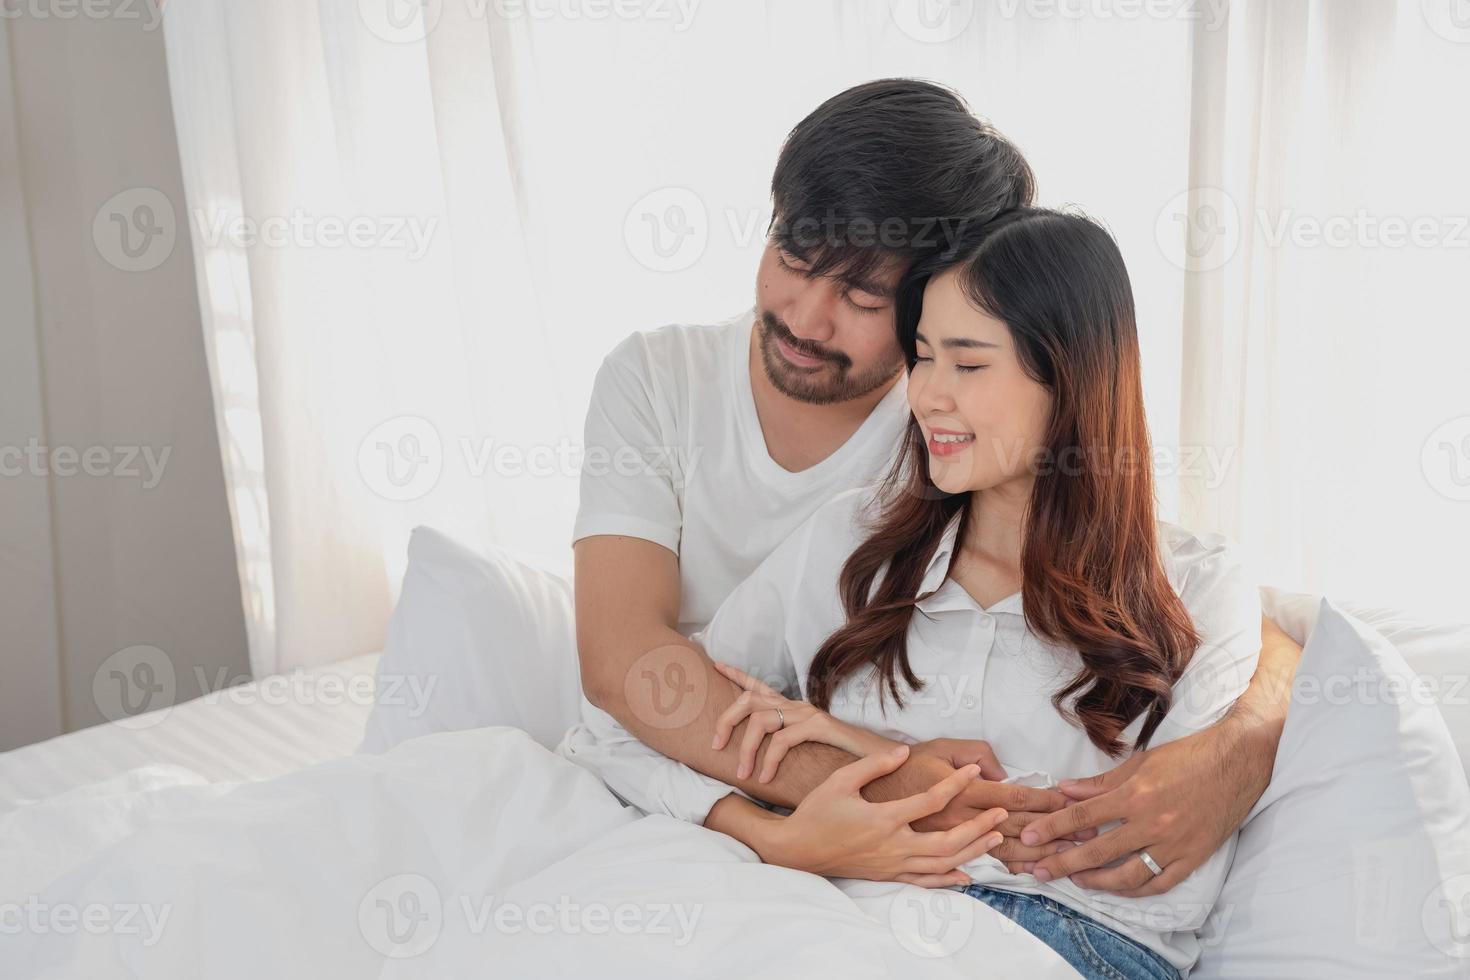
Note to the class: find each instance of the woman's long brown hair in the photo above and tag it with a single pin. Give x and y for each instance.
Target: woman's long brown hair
(1093, 578)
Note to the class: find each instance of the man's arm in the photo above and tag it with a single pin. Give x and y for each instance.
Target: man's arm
(659, 684)
(1180, 800)
(1259, 715)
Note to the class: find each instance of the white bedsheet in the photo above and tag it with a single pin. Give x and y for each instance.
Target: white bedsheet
(472, 853)
(254, 731)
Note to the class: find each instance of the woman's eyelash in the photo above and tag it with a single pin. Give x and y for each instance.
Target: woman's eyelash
(962, 368)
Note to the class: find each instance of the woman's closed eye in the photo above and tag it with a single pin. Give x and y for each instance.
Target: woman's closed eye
(961, 368)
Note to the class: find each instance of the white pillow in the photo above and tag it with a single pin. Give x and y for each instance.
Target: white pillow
(1438, 652)
(475, 640)
(1356, 860)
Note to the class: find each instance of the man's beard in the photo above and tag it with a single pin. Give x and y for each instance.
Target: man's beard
(828, 384)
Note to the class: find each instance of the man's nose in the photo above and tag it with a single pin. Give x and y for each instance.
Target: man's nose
(811, 315)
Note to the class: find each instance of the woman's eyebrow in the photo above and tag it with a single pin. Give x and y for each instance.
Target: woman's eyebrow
(964, 342)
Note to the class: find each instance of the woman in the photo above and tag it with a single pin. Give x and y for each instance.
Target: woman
(1009, 582)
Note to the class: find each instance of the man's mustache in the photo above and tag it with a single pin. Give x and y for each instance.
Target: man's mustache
(780, 331)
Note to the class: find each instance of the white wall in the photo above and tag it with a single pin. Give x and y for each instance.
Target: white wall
(94, 358)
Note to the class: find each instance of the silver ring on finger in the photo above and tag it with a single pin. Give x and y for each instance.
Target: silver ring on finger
(781, 717)
(1150, 863)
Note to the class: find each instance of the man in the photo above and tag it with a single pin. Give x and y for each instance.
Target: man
(771, 414)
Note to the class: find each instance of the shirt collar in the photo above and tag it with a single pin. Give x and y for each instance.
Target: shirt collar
(938, 571)
(938, 568)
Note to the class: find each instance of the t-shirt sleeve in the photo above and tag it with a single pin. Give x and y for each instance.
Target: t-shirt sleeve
(627, 485)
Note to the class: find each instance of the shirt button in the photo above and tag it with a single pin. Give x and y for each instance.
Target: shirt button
(969, 702)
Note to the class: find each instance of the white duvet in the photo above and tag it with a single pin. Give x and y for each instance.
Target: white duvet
(466, 854)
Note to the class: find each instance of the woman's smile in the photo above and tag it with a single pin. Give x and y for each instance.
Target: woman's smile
(945, 442)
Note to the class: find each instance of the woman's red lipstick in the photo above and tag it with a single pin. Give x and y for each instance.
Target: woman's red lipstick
(953, 444)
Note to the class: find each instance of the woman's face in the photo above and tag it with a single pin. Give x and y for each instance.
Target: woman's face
(983, 417)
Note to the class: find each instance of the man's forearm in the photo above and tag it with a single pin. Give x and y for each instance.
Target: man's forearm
(671, 699)
(665, 690)
(1258, 717)
(1260, 712)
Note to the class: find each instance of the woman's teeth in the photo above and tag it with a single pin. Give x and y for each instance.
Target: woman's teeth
(949, 439)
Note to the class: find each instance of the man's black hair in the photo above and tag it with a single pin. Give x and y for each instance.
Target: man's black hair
(894, 167)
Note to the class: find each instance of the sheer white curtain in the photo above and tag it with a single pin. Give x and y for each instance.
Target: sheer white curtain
(459, 206)
(1326, 350)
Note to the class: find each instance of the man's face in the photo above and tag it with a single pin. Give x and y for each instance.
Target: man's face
(824, 340)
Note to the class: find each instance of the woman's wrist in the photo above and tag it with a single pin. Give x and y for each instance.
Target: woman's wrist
(773, 841)
(756, 827)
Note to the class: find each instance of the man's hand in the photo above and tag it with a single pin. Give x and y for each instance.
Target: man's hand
(961, 752)
(1179, 801)
(931, 762)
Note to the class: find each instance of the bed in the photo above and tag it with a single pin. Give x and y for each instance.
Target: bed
(459, 854)
(245, 733)
(242, 835)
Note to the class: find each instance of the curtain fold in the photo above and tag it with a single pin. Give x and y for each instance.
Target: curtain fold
(1324, 339)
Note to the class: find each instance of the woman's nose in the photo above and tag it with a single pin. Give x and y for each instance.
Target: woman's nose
(934, 395)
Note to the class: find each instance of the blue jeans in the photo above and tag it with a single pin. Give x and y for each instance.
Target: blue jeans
(1093, 950)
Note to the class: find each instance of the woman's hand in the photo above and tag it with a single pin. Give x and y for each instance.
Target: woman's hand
(837, 833)
(788, 722)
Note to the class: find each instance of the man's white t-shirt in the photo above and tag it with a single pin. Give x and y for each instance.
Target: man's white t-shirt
(675, 455)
